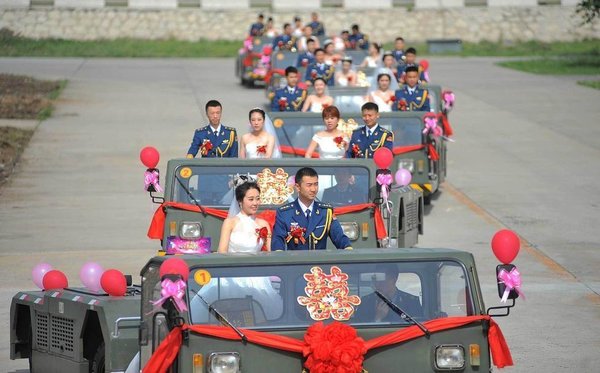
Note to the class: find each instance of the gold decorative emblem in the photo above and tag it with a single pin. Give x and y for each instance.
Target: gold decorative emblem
(274, 186)
(347, 126)
(278, 123)
(280, 56)
(257, 41)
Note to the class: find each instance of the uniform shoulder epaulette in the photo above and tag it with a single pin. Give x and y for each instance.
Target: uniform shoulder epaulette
(287, 206)
(359, 129)
(423, 86)
(324, 205)
(229, 128)
(201, 128)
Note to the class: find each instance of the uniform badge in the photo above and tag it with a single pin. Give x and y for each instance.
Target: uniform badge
(226, 141)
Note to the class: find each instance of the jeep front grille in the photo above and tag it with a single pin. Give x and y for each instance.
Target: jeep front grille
(41, 331)
(62, 335)
(412, 215)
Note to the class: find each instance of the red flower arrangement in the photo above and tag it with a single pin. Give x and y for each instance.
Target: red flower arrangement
(391, 100)
(333, 348)
(356, 151)
(350, 78)
(313, 74)
(262, 233)
(261, 149)
(280, 44)
(339, 140)
(206, 147)
(304, 62)
(297, 234)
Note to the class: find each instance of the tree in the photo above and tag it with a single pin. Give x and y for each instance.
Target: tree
(589, 10)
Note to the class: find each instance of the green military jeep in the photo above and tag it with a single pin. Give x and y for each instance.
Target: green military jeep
(198, 194)
(424, 156)
(420, 309)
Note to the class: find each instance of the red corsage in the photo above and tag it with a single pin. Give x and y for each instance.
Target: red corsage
(402, 105)
(350, 79)
(280, 44)
(335, 347)
(356, 151)
(261, 149)
(282, 103)
(304, 62)
(262, 233)
(325, 106)
(339, 140)
(391, 100)
(297, 234)
(313, 74)
(206, 147)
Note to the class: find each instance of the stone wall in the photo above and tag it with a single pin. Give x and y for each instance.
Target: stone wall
(548, 23)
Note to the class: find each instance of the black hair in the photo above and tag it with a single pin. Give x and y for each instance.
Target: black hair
(212, 103)
(297, 19)
(305, 171)
(319, 78)
(355, 27)
(310, 40)
(270, 19)
(370, 106)
(319, 50)
(345, 32)
(399, 38)
(285, 25)
(411, 50)
(387, 54)
(377, 46)
(411, 68)
(290, 69)
(260, 15)
(256, 110)
(241, 190)
(382, 75)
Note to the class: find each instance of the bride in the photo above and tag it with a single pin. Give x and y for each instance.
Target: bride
(242, 231)
(332, 142)
(261, 141)
(316, 102)
(383, 96)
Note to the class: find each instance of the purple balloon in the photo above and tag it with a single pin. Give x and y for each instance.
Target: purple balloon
(38, 272)
(403, 177)
(90, 275)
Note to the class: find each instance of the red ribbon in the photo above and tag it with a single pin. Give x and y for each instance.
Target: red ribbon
(157, 225)
(285, 149)
(433, 154)
(167, 351)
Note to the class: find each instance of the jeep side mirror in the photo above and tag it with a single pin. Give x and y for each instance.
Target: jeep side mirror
(152, 184)
(507, 268)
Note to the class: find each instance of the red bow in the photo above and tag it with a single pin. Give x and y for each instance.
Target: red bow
(296, 234)
(262, 233)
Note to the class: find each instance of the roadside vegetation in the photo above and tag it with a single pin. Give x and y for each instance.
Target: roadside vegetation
(22, 97)
(590, 83)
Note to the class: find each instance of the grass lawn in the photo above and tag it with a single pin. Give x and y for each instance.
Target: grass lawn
(584, 64)
(590, 83)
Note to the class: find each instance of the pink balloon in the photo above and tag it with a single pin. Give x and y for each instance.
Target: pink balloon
(90, 275)
(38, 272)
(403, 177)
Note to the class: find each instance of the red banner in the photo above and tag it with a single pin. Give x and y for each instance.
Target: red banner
(167, 351)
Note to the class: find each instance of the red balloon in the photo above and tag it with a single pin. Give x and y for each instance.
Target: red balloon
(424, 64)
(113, 282)
(55, 280)
(175, 266)
(149, 156)
(383, 157)
(506, 245)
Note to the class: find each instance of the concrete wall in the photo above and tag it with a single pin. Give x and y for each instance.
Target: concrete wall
(547, 23)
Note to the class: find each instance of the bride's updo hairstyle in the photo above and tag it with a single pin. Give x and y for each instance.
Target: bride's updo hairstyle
(242, 189)
(256, 110)
(331, 111)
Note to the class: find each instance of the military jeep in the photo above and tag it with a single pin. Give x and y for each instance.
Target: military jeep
(198, 193)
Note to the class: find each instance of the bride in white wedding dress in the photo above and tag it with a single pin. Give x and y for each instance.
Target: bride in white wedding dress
(261, 141)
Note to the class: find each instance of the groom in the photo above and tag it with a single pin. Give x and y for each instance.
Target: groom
(214, 140)
(305, 223)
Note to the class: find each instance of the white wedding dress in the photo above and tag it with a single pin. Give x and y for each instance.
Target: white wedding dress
(243, 237)
(316, 107)
(252, 151)
(384, 107)
(328, 149)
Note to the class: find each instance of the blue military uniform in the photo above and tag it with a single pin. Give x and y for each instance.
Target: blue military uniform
(318, 29)
(287, 42)
(398, 54)
(402, 69)
(257, 29)
(317, 70)
(306, 56)
(319, 225)
(363, 146)
(288, 99)
(224, 144)
(417, 101)
(359, 41)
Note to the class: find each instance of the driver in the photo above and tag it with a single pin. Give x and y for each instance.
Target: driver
(374, 309)
(345, 191)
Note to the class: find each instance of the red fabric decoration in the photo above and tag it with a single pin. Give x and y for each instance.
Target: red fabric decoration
(270, 74)
(297, 234)
(285, 149)
(167, 351)
(261, 149)
(313, 74)
(261, 233)
(448, 131)
(406, 149)
(333, 348)
(433, 154)
(206, 147)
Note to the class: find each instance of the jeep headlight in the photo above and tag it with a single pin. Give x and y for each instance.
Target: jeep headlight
(407, 164)
(190, 230)
(224, 362)
(350, 229)
(449, 357)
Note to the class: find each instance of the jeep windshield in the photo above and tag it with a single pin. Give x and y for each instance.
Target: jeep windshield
(266, 297)
(295, 130)
(211, 185)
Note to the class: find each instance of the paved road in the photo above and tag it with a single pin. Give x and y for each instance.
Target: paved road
(525, 158)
